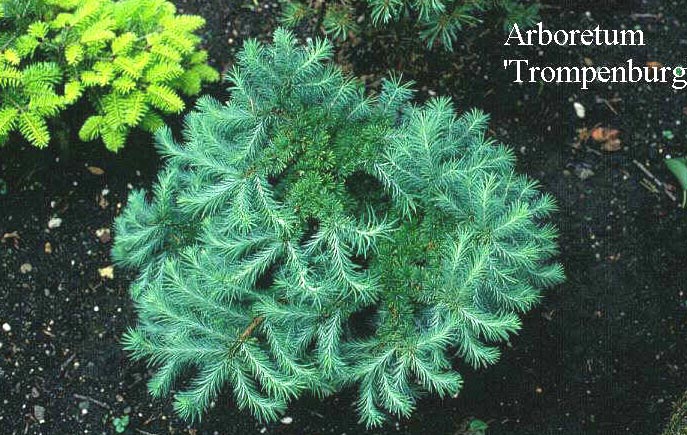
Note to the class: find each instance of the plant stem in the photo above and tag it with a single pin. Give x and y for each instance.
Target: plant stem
(249, 330)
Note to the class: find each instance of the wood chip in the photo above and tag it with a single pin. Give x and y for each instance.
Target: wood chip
(39, 413)
(95, 170)
(102, 201)
(103, 234)
(106, 272)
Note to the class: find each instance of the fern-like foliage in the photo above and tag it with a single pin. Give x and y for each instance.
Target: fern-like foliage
(305, 236)
(439, 22)
(132, 58)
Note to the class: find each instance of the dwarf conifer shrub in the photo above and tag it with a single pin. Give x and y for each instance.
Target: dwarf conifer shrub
(305, 236)
(132, 59)
(439, 21)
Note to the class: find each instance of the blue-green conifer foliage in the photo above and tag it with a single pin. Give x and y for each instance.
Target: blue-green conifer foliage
(306, 235)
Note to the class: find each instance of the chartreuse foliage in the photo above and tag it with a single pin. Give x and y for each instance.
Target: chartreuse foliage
(439, 21)
(132, 58)
(305, 236)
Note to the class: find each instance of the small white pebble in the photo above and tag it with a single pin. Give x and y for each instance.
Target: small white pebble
(54, 222)
(96, 308)
(287, 420)
(6, 327)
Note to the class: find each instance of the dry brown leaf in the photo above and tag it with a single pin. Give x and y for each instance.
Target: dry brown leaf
(103, 234)
(95, 170)
(608, 138)
(612, 145)
(654, 64)
(583, 134)
(602, 134)
(106, 272)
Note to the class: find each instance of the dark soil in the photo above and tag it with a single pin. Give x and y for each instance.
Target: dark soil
(603, 354)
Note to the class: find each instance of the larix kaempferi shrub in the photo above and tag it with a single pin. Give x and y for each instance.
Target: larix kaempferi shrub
(306, 235)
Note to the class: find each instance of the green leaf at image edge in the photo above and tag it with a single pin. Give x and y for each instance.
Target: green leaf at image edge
(679, 168)
(478, 425)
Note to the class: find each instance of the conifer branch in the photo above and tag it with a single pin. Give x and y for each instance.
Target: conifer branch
(249, 330)
(438, 21)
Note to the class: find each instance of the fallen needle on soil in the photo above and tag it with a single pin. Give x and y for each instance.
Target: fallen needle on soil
(653, 178)
(66, 363)
(90, 399)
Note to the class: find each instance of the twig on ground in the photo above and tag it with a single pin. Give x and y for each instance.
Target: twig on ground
(608, 104)
(648, 173)
(151, 419)
(64, 365)
(655, 179)
(654, 16)
(90, 399)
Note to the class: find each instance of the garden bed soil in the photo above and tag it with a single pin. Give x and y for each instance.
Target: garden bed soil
(604, 353)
